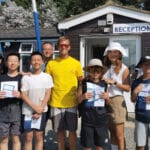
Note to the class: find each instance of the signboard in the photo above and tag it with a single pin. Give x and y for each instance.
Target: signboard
(131, 28)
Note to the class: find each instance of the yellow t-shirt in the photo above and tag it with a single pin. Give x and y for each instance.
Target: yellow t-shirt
(65, 73)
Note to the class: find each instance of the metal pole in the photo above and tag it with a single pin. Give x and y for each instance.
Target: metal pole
(36, 22)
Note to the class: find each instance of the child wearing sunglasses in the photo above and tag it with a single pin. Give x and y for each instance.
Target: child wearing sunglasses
(92, 98)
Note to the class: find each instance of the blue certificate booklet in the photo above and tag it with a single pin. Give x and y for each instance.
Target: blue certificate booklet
(96, 90)
(141, 103)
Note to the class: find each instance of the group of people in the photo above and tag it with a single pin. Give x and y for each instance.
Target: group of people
(57, 89)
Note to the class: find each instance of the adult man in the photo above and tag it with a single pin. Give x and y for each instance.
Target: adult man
(66, 72)
(47, 51)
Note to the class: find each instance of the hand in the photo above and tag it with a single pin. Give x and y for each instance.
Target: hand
(36, 116)
(104, 95)
(39, 109)
(2, 94)
(87, 95)
(147, 99)
(109, 81)
(16, 94)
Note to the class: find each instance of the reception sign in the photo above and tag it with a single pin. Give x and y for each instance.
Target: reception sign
(131, 28)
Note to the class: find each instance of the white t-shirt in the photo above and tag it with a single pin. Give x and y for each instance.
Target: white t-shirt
(113, 89)
(35, 86)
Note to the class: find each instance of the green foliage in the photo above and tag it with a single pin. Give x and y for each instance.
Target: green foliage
(26, 4)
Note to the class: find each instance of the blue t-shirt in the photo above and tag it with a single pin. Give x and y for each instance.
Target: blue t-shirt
(142, 109)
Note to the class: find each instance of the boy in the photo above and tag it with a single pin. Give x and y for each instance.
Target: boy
(92, 96)
(141, 95)
(10, 104)
(36, 90)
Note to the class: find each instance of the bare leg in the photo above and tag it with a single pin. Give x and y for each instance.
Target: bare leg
(16, 142)
(38, 140)
(120, 136)
(4, 143)
(72, 140)
(140, 148)
(61, 140)
(28, 140)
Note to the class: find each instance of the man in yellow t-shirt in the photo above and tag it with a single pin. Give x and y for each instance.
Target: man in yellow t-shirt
(66, 73)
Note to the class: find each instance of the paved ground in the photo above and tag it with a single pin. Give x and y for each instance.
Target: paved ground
(51, 143)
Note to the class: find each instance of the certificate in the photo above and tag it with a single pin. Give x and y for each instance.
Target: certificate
(9, 87)
(30, 123)
(96, 90)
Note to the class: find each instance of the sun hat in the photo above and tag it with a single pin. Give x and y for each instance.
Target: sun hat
(143, 59)
(116, 46)
(93, 62)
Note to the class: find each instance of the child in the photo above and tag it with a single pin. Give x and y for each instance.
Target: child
(141, 95)
(36, 90)
(10, 104)
(92, 96)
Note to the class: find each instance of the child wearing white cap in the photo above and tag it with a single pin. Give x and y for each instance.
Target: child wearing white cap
(92, 98)
(117, 76)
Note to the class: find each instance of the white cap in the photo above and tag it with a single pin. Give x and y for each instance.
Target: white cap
(94, 62)
(116, 46)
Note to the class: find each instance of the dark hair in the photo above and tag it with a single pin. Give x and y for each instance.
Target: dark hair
(13, 54)
(36, 53)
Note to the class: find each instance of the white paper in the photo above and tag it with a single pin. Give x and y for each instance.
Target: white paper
(35, 123)
(145, 93)
(9, 87)
(96, 90)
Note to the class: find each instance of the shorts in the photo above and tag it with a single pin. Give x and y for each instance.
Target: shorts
(10, 128)
(117, 110)
(27, 125)
(64, 119)
(142, 132)
(96, 136)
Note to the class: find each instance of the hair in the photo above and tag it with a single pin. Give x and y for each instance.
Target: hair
(36, 53)
(107, 63)
(63, 38)
(47, 43)
(13, 54)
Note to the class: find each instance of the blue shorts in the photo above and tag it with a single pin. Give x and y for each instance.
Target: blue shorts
(10, 128)
(27, 124)
(95, 136)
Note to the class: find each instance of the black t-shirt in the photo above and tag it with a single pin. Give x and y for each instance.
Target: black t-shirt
(10, 108)
(93, 116)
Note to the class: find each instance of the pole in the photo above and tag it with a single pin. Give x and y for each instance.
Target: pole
(1, 50)
(36, 23)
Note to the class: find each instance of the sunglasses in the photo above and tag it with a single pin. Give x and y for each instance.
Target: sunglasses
(64, 45)
(95, 69)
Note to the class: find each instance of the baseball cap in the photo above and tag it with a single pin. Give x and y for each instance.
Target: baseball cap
(92, 63)
(143, 59)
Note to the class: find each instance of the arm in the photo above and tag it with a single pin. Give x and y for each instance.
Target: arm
(46, 98)
(125, 86)
(81, 97)
(135, 92)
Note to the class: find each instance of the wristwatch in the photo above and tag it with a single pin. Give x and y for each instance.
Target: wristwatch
(115, 83)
